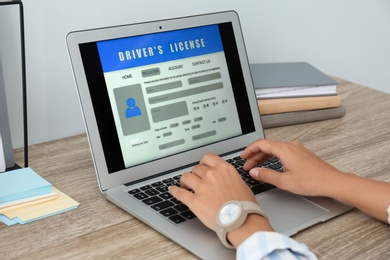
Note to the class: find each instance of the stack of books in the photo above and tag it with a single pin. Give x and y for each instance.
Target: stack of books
(25, 196)
(294, 93)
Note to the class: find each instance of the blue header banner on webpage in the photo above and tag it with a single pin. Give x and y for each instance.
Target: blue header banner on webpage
(148, 49)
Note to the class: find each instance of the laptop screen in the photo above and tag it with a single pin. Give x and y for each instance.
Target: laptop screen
(156, 96)
(164, 93)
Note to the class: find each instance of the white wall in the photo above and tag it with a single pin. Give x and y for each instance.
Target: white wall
(345, 38)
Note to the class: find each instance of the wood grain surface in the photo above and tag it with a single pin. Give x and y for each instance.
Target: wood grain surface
(358, 143)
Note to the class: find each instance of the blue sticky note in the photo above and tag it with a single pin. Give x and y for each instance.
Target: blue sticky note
(22, 183)
(7, 221)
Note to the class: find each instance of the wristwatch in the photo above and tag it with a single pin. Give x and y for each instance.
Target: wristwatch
(232, 215)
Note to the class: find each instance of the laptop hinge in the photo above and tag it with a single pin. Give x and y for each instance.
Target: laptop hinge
(175, 170)
(160, 174)
(232, 152)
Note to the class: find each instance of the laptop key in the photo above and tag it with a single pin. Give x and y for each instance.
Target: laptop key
(260, 188)
(152, 200)
(246, 176)
(175, 184)
(273, 160)
(156, 184)
(162, 205)
(140, 196)
(264, 164)
(162, 188)
(274, 167)
(235, 165)
(132, 192)
(152, 192)
(177, 177)
(169, 180)
(240, 162)
(165, 196)
(181, 207)
(168, 212)
(241, 171)
(177, 219)
(146, 187)
(175, 201)
(188, 214)
(252, 182)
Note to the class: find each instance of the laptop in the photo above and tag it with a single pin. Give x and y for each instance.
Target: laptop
(156, 96)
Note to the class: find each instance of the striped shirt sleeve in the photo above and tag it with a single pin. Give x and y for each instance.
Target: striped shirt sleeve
(272, 245)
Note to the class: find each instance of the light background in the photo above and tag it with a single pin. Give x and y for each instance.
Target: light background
(345, 38)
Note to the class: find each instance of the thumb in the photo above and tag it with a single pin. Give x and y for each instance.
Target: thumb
(266, 175)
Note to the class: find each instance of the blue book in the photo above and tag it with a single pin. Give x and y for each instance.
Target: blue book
(22, 183)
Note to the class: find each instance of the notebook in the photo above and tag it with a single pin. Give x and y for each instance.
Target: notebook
(156, 96)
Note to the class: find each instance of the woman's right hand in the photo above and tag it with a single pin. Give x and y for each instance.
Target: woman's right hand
(304, 172)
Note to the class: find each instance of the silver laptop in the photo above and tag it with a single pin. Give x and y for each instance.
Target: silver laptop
(156, 96)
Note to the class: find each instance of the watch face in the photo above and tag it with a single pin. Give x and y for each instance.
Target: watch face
(229, 213)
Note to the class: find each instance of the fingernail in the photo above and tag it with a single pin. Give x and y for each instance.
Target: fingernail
(254, 173)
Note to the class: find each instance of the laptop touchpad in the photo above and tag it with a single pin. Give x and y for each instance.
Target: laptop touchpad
(289, 213)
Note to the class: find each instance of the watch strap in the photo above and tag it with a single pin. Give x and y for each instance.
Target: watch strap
(247, 207)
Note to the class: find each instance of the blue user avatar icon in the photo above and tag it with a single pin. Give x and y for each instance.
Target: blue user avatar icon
(132, 110)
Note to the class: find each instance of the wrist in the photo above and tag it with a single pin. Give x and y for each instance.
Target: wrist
(235, 216)
(338, 184)
(252, 224)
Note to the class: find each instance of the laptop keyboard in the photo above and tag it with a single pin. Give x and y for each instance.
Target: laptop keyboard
(157, 197)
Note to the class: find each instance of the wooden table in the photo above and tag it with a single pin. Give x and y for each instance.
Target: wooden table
(358, 142)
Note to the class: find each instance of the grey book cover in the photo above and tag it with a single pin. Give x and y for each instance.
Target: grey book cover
(292, 118)
(288, 74)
